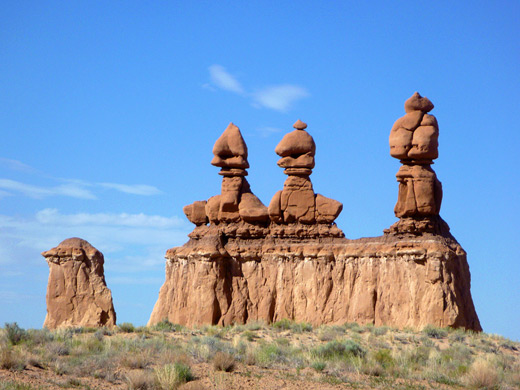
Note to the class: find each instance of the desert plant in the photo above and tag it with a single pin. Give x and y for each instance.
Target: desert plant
(14, 333)
(336, 349)
(170, 376)
(139, 380)
(223, 362)
(166, 326)
(318, 365)
(481, 375)
(435, 332)
(126, 327)
(11, 360)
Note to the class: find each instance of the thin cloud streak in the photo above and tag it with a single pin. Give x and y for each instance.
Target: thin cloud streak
(71, 190)
(135, 189)
(222, 79)
(275, 97)
(53, 216)
(279, 97)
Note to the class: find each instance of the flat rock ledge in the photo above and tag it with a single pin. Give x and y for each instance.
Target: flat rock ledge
(399, 281)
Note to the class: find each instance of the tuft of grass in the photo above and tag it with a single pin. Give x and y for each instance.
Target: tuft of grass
(223, 362)
(171, 376)
(481, 375)
(11, 360)
(139, 380)
(318, 365)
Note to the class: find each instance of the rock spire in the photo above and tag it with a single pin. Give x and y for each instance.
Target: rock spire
(236, 203)
(297, 202)
(77, 294)
(414, 141)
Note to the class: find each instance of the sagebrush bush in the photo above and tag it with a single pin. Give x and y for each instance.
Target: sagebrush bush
(435, 332)
(337, 349)
(167, 326)
(14, 333)
(126, 327)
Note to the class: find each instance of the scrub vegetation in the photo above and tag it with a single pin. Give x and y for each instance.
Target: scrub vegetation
(255, 356)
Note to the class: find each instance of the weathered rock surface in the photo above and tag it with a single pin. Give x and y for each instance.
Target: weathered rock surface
(77, 294)
(401, 282)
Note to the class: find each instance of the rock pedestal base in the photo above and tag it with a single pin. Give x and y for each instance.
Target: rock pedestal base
(399, 281)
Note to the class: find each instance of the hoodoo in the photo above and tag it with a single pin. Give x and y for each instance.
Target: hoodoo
(245, 262)
(77, 294)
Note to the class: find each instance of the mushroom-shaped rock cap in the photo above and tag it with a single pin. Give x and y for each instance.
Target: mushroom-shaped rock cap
(296, 142)
(418, 103)
(67, 246)
(230, 149)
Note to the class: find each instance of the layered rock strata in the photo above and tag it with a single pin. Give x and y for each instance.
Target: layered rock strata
(77, 294)
(407, 282)
(414, 141)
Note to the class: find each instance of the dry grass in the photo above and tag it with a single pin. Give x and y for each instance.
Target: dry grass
(169, 356)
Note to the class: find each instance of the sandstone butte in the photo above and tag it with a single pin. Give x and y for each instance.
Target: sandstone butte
(247, 262)
(77, 294)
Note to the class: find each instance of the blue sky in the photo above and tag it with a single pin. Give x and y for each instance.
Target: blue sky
(109, 111)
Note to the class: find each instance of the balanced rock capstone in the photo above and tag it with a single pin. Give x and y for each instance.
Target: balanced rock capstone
(77, 294)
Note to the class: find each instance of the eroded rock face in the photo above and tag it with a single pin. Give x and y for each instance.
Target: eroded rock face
(400, 282)
(414, 140)
(77, 294)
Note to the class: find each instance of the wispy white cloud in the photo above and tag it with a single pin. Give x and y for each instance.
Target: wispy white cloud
(275, 97)
(266, 131)
(73, 190)
(279, 97)
(54, 217)
(223, 79)
(16, 165)
(135, 189)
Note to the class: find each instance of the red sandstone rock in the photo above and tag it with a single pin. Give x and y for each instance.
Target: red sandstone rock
(196, 212)
(399, 282)
(77, 294)
(296, 203)
(230, 149)
(414, 140)
(418, 103)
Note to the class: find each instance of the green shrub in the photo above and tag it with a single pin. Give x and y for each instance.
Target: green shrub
(284, 324)
(384, 357)
(166, 326)
(434, 332)
(336, 349)
(318, 365)
(126, 327)
(14, 333)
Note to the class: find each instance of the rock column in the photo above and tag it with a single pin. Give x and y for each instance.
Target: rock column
(297, 203)
(414, 140)
(77, 294)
